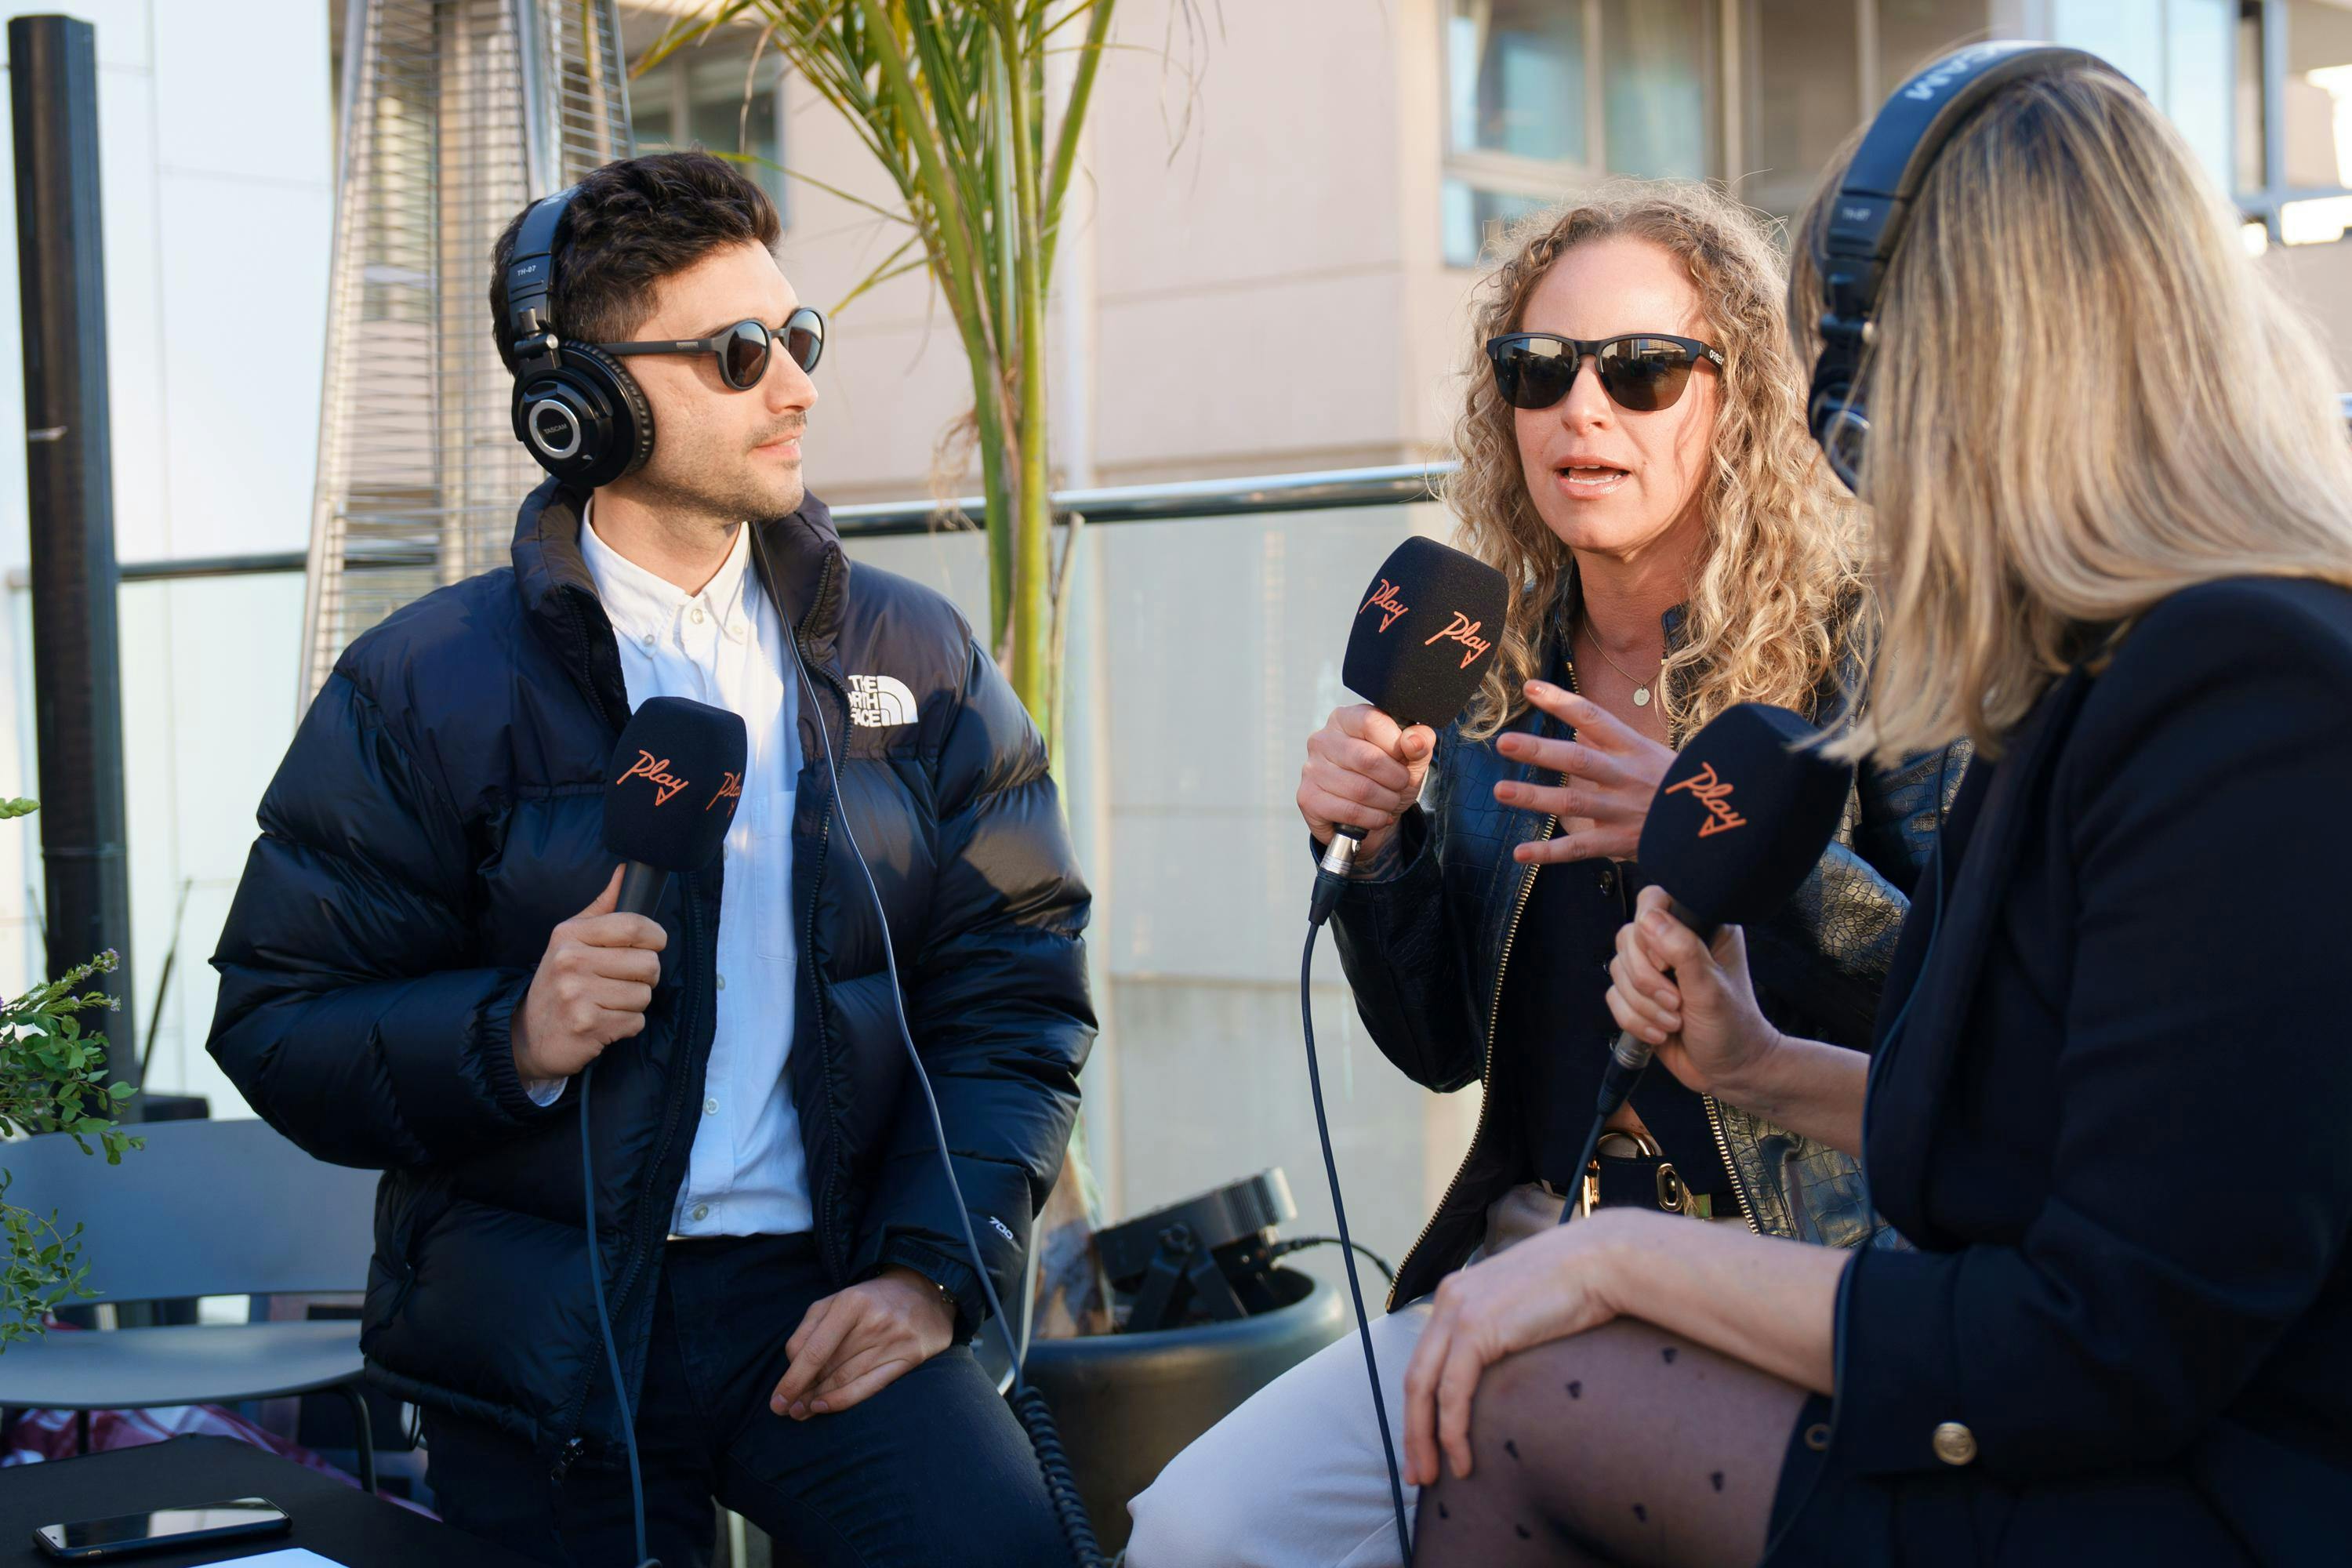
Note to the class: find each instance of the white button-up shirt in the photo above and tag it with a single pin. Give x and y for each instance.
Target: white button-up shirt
(747, 1174)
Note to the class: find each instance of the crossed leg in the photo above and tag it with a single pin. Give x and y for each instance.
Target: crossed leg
(1626, 1445)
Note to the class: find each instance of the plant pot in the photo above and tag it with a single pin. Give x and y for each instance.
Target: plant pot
(1128, 1403)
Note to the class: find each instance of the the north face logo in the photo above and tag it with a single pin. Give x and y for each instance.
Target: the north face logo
(880, 701)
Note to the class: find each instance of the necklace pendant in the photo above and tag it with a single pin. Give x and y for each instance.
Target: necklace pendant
(1641, 697)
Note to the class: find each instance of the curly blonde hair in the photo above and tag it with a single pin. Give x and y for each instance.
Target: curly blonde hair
(1769, 614)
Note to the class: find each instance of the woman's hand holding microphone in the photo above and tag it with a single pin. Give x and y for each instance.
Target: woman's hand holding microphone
(1362, 771)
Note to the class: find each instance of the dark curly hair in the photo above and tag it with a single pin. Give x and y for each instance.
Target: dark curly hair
(634, 223)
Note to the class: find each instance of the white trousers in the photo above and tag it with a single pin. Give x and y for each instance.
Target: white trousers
(1295, 1476)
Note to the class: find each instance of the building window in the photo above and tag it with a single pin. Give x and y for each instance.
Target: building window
(720, 98)
(1812, 71)
(2183, 54)
(1543, 95)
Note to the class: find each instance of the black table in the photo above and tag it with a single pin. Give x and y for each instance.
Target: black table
(331, 1519)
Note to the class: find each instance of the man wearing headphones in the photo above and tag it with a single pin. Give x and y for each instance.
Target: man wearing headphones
(425, 950)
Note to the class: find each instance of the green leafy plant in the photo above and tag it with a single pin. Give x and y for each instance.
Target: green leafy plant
(950, 97)
(53, 1078)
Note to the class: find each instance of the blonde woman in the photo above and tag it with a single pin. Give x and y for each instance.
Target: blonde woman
(1634, 458)
(2113, 503)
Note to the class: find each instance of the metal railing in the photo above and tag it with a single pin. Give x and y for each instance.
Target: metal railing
(1325, 491)
(1321, 491)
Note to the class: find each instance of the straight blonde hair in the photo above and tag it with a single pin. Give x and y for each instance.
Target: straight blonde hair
(2084, 397)
(1781, 571)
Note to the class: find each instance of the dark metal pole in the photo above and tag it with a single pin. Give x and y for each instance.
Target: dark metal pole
(76, 663)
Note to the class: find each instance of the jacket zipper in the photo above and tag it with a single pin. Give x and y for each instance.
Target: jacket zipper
(1494, 1017)
(1723, 1147)
(828, 1222)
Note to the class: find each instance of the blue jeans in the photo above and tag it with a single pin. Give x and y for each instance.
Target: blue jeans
(934, 1468)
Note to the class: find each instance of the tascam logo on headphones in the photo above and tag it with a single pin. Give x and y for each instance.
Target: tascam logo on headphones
(1712, 793)
(1938, 77)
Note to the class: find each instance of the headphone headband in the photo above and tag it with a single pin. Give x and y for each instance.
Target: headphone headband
(530, 274)
(1871, 210)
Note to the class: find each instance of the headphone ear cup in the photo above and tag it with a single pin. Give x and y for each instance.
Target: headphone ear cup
(632, 418)
(586, 421)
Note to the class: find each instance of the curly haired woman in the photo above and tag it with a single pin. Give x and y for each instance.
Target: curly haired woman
(1635, 459)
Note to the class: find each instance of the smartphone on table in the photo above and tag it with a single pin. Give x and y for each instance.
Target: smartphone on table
(163, 1528)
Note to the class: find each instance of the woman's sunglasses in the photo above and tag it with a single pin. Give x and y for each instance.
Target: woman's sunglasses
(742, 349)
(1641, 372)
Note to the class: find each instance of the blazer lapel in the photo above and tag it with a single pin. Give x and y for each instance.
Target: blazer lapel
(1913, 1063)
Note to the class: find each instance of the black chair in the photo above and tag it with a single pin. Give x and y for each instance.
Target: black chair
(207, 1208)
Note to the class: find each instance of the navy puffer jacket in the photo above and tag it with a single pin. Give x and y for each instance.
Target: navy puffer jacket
(440, 812)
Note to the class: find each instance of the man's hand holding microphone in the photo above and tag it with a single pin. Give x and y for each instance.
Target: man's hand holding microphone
(593, 987)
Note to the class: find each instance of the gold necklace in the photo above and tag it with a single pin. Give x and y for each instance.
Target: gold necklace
(1641, 688)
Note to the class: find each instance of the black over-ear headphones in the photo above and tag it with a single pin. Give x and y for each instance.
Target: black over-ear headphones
(577, 410)
(1851, 251)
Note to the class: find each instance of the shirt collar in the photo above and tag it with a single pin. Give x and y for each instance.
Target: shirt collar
(641, 605)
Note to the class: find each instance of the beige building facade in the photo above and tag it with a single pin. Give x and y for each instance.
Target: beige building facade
(1269, 266)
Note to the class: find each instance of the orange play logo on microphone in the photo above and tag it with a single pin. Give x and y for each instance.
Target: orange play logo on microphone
(1384, 599)
(1710, 791)
(1464, 630)
(730, 787)
(657, 771)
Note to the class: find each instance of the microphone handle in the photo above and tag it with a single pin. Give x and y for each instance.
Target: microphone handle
(1629, 1058)
(642, 887)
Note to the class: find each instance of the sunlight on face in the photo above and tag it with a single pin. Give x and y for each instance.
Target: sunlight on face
(1605, 479)
(726, 454)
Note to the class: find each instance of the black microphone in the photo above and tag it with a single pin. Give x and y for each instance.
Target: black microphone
(676, 776)
(1738, 822)
(1423, 639)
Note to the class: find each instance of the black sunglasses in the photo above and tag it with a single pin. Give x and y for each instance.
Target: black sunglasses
(743, 348)
(1641, 372)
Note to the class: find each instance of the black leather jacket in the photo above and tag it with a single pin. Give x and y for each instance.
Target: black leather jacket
(1425, 947)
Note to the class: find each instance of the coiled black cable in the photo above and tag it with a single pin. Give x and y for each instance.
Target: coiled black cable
(1061, 1483)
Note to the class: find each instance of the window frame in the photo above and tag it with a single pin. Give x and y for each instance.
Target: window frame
(1548, 180)
(678, 83)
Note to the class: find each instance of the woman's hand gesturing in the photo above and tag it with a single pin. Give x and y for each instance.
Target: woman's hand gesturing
(1611, 773)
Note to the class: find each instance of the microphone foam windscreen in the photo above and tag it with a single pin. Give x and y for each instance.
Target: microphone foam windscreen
(673, 785)
(1742, 816)
(1425, 631)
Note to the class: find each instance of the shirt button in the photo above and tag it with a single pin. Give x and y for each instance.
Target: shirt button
(723, 983)
(648, 639)
(702, 1211)
(695, 615)
(1955, 1444)
(710, 1106)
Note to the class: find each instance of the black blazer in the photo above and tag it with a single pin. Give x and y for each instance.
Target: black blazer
(2113, 1092)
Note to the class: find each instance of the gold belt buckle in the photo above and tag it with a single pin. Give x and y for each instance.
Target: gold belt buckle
(1630, 1144)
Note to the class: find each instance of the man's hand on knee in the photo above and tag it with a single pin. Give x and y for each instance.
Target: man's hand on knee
(856, 1343)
